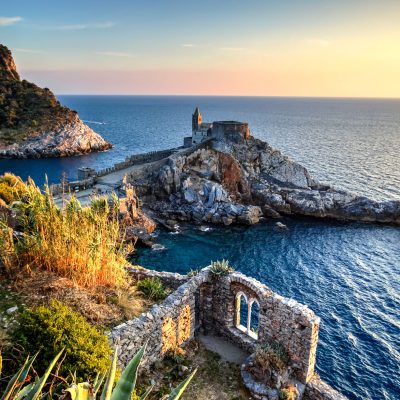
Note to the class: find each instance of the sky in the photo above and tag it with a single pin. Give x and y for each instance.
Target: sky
(341, 48)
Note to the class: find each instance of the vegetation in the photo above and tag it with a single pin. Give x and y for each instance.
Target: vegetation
(26, 109)
(124, 388)
(288, 393)
(271, 357)
(221, 268)
(152, 288)
(50, 329)
(193, 272)
(82, 244)
(11, 188)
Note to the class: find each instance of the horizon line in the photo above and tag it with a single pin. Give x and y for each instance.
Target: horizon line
(229, 95)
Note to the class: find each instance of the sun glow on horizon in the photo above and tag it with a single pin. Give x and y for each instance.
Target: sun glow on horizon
(346, 49)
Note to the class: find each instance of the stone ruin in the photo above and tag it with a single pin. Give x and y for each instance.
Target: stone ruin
(236, 307)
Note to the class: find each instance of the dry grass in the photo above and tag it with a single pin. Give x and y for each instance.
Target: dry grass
(81, 244)
(101, 305)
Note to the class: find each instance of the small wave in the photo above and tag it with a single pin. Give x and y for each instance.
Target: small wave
(94, 122)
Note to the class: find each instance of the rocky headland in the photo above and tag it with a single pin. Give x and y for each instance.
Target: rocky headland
(243, 180)
(33, 123)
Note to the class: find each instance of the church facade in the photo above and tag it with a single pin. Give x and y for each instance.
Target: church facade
(219, 130)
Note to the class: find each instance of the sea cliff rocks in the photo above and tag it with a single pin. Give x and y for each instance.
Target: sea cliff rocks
(225, 182)
(33, 124)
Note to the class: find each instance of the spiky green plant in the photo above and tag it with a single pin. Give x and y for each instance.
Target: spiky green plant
(152, 288)
(123, 390)
(221, 268)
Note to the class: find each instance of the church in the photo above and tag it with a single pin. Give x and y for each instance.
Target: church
(219, 130)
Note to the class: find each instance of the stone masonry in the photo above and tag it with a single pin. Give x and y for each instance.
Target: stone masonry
(209, 304)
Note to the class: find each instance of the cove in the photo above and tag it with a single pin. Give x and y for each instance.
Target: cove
(347, 273)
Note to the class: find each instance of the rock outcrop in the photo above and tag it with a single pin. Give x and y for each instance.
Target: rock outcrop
(33, 123)
(224, 182)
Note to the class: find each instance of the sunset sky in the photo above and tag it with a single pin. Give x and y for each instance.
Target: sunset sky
(253, 47)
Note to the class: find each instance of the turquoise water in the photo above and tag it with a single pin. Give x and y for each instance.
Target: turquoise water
(348, 273)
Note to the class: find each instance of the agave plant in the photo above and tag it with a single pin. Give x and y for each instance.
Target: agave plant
(220, 268)
(123, 390)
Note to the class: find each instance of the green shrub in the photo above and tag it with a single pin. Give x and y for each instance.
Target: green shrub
(271, 357)
(152, 288)
(221, 268)
(50, 329)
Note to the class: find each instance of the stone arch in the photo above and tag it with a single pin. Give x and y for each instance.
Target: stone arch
(247, 320)
(254, 318)
(241, 310)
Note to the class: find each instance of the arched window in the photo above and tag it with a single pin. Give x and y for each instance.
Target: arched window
(242, 310)
(254, 318)
(247, 315)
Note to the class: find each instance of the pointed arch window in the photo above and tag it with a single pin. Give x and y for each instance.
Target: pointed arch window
(247, 315)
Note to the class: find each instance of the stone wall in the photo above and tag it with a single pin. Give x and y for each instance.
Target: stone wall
(209, 304)
(169, 279)
(231, 130)
(281, 320)
(316, 389)
(60, 188)
(163, 327)
(137, 159)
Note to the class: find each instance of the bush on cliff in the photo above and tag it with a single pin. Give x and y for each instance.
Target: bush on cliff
(81, 243)
(11, 188)
(50, 329)
(152, 288)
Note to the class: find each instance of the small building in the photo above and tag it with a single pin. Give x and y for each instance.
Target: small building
(220, 130)
(200, 130)
(85, 173)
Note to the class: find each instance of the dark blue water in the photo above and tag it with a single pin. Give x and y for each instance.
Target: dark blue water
(347, 273)
(348, 142)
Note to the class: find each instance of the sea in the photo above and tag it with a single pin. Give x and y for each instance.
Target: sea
(348, 273)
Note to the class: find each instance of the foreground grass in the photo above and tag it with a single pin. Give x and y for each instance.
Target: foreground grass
(80, 243)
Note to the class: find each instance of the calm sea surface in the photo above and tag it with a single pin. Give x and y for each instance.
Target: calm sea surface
(348, 273)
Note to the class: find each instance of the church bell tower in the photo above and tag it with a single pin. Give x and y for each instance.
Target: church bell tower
(196, 119)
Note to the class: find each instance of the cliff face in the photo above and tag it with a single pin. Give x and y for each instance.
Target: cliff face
(226, 182)
(34, 124)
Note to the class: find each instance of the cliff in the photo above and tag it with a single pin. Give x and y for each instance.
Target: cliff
(226, 182)
(33, 123)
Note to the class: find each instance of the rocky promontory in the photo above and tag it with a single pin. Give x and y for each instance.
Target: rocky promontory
(241, 181)
(33, 123)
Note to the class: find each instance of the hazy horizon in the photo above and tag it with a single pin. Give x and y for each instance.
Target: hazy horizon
(231, 48)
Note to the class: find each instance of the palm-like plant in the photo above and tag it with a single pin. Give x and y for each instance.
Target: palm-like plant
(17, 389)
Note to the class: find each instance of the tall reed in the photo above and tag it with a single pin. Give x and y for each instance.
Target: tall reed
(80, 243)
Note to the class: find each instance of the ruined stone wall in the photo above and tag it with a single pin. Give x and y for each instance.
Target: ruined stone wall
(281, 320)
(208, 302)
(316, 389)
(163, 327)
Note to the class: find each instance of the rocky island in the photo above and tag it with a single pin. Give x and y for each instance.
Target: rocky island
(227, 176)
(33, 123)
(224, 175)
